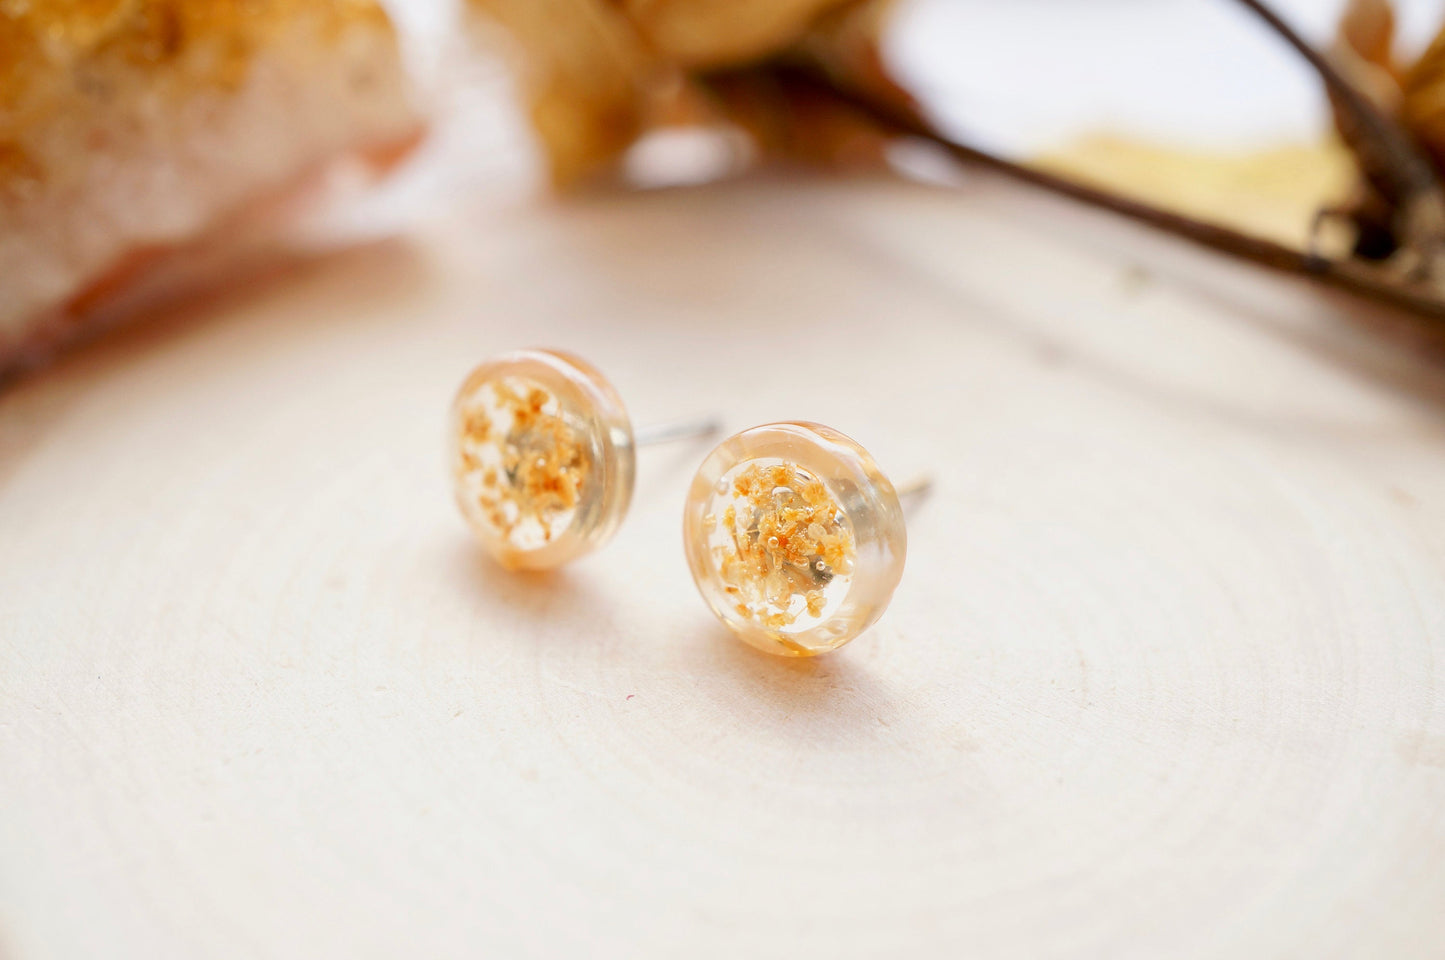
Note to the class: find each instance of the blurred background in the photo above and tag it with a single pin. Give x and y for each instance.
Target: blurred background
(1028, 77)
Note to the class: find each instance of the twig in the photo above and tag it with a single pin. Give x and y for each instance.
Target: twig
(895, 114)
(1394, 154)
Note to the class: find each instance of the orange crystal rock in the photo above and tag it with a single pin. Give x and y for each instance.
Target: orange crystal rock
(131, 129)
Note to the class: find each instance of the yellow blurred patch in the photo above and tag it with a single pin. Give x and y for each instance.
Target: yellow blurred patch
(1271, 193)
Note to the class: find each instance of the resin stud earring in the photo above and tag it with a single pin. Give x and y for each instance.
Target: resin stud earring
(542, 457)
(795, 537)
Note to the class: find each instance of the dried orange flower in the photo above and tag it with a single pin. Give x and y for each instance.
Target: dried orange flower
(787, 541)
(528, 460)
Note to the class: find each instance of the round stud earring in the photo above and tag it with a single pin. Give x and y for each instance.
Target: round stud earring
(795, 538)
(542, 457)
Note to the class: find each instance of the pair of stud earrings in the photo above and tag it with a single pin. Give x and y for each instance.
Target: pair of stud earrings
(795, 538)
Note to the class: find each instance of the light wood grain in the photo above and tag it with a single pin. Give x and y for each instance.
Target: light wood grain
(1163, 677)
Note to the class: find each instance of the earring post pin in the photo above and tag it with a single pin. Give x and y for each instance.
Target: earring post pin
(914, 490)
(655, 433)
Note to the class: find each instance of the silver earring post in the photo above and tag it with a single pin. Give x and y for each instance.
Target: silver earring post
(675, 430)
(914, 491)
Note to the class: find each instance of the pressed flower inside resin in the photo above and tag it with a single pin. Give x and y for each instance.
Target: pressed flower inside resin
(522, 461)
(782, 545)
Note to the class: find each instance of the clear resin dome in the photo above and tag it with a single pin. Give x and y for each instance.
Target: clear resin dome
(794, 536)
(542, 457)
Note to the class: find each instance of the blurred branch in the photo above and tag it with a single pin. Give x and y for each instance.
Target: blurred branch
(1393, 154)
(858, 83)
(899, 117)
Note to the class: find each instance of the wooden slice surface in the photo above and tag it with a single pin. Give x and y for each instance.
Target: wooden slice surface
(1165, 676)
